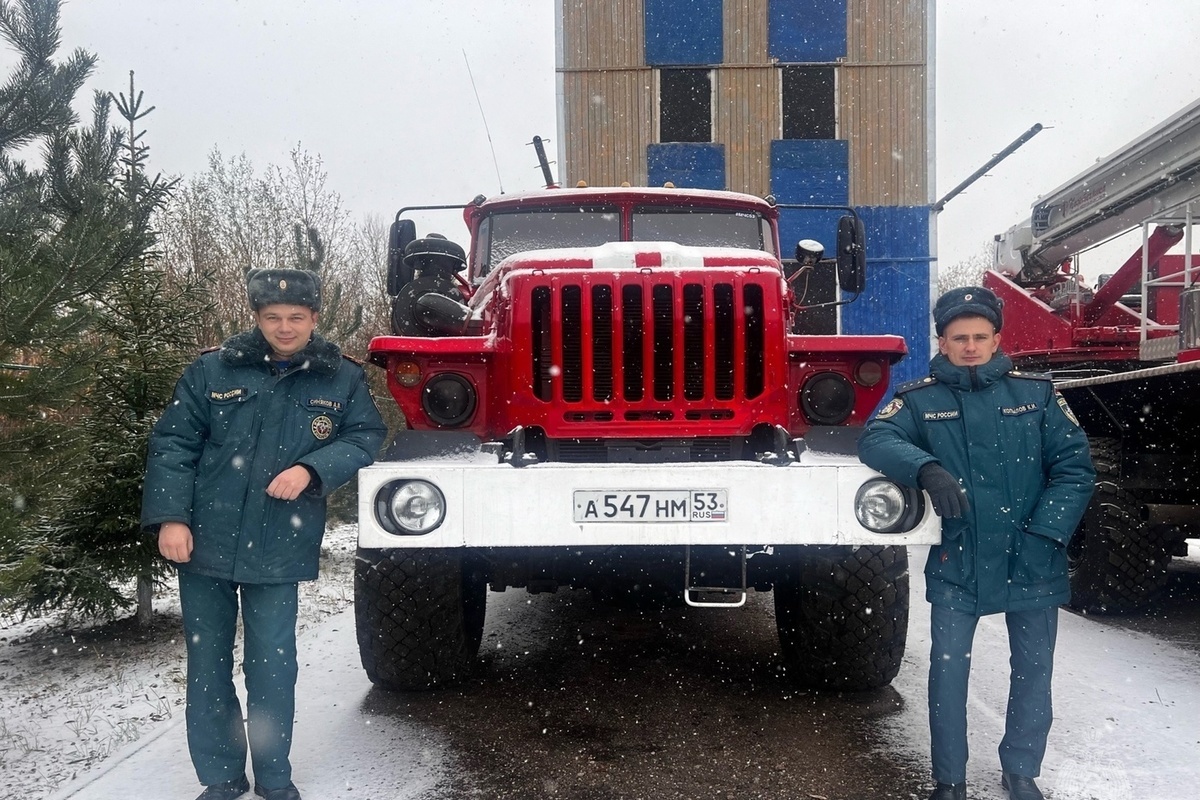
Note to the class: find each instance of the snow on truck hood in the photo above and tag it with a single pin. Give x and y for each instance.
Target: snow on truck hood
(620, 256)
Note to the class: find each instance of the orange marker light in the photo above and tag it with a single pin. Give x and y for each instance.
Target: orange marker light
(408, 373)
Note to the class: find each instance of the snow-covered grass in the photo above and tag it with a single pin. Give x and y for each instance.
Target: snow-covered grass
(72, 697)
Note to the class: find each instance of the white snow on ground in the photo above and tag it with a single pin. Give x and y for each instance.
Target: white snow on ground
(70, 699)
(1127, 711)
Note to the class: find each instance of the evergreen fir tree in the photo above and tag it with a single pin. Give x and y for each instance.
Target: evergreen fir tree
(74, 227)
(44, 212)
(144, 331)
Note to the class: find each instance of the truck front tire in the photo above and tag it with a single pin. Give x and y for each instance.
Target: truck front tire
(418, 616)
(1117, 561)
(842, 616)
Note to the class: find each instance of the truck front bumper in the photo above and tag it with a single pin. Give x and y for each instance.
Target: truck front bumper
(810, 501)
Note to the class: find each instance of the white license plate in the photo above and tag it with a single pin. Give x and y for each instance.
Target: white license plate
(652, 505)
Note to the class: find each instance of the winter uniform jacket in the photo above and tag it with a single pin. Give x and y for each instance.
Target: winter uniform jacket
(1020, 455)
(235, 423)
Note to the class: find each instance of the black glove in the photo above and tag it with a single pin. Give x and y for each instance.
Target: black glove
(949, 499)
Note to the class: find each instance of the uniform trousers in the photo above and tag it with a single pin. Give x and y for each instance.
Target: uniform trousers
(1031, 637)
(217, 737)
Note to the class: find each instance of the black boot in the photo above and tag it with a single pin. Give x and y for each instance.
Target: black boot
(229, 790)
(949, 791)
(289, 792)
(1020, 787)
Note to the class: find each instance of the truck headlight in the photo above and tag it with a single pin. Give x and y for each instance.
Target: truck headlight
(827, 398)
(448, 399)
(410, 507)
(886, 507)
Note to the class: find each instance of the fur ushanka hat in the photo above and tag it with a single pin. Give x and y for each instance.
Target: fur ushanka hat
(293, 287)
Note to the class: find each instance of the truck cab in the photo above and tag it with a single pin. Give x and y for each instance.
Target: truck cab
(603, 391)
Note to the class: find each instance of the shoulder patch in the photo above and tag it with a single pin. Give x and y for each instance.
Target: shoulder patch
(891, 409)
(919, 383)
(1030, 376)
(1066, 409)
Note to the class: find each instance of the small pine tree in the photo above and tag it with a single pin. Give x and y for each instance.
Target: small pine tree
(67, 233)
(93, 545)
(88, 544)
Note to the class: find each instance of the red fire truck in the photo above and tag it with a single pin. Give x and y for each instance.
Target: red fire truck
(1126, 355)
(605, 391)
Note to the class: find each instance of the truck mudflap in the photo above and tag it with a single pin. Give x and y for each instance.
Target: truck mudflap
(489, 504)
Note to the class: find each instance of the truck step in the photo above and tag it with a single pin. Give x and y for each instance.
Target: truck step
(714, 596)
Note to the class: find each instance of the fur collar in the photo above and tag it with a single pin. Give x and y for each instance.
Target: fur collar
(970, 379)
(251, 348)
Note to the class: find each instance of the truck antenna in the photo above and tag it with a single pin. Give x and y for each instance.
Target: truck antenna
(485, 125)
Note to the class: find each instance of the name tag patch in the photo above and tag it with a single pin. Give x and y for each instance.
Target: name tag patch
(319, 402)
(231, 394)
(938, 416)
(1016, 411)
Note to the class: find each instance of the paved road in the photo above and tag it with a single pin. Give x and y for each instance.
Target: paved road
(577, 700)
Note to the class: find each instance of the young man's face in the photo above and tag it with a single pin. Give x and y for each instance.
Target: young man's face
(286, 328)
(969, 341)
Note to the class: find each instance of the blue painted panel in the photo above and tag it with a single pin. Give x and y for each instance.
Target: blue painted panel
(807, 30)
(684, 32)
(802, 223)
(897, 296)
(811, 171)
(686, 164)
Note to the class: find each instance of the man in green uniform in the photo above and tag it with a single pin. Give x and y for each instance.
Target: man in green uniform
(1007, 467)
(258, 433)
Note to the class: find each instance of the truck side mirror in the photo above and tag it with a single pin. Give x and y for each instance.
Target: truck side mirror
(401, 233)
(851, 254)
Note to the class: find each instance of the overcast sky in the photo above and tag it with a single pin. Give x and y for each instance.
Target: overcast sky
(381, 91)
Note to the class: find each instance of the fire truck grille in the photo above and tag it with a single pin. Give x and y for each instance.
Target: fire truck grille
(646, 344)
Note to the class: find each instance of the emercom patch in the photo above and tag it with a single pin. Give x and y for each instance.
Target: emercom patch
(891, 409)
(938, 416)
(322, 427)
(1066, 409)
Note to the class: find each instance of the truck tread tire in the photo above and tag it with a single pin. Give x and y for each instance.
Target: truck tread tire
(842, 617)
(418, 616)
(1117, 561)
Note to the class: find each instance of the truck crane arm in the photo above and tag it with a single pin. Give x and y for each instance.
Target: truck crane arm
(1148, 177)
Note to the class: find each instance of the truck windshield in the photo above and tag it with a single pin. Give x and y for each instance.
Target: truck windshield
(504, 234)
(700, 227)
(517, 232)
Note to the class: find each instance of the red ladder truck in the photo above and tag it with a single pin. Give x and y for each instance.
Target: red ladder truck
(1126, 355)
